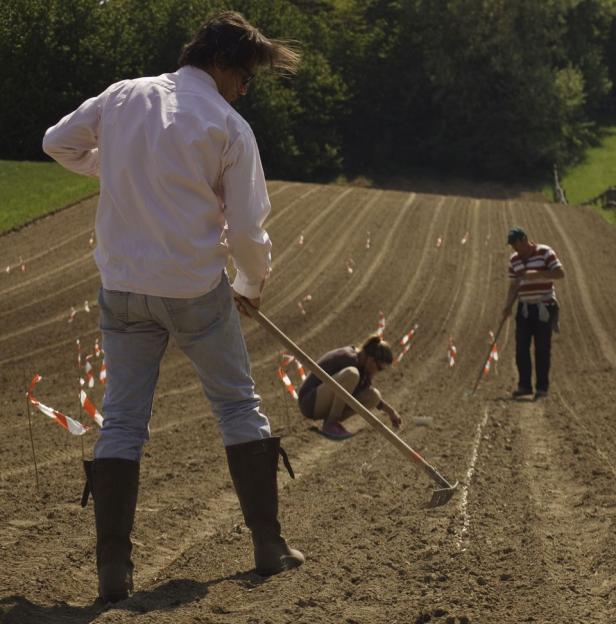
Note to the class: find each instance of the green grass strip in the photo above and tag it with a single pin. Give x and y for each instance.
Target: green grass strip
(594, 175)
(29, 190)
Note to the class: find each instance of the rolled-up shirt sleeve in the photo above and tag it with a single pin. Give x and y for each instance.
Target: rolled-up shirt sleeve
(73, 141)
(246, 208)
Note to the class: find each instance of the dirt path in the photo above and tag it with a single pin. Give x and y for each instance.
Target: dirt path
(531, 534)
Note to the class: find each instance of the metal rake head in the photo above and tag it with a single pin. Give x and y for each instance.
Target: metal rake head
(441, 496)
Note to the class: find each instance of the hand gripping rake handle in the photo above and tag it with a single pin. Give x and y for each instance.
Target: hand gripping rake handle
(483, 364)
(441, 495)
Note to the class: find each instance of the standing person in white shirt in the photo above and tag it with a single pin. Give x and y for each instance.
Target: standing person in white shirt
(181, 189)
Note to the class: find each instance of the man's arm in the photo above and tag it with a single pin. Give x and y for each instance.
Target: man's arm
(512, 295)
(246, 208)
(73, 141)
(536, 275)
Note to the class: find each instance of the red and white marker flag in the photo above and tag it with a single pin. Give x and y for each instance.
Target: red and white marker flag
(493, 357)
(90, 408)
(406, 342)
(99, 353)
(301, 239)
(89, 371)
(300, 304)
(91, 241)
(287, 382)
(452, 353)
(287, 359)
(23, 265)
(439, 242)
(72, 426)
(368, 240)
(73, 312)
(465, 238)
(381, 327)
(494, 352)
(350, 265)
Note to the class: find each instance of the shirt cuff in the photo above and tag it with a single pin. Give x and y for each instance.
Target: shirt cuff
(246, 288)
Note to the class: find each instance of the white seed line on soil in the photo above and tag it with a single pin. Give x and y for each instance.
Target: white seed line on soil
(348, 298)
(60, 317)
(463, 505)
(605, 339)
(48, 347)
(90, 230)
(63, 316)
(57, 246)
(37, 302)
(283, 210)
(279, 190)
(63, 267)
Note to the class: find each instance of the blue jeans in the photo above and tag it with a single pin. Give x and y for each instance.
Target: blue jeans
(135, 331)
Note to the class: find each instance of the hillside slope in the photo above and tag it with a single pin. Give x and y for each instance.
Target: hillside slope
(530, 536)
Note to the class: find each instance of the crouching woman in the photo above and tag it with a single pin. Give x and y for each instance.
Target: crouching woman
(354, 369)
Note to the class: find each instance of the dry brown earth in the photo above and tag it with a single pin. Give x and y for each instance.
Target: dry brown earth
(530, 536)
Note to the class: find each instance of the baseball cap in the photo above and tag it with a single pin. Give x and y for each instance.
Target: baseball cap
(515, 234)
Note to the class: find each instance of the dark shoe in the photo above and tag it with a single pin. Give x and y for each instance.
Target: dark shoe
(520, 391)
(541, 394)
(253, 467)
(113, 484)
(335, 431)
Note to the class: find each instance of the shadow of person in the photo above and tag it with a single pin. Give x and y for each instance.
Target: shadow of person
(164, 597)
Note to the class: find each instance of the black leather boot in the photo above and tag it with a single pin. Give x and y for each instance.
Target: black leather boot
(113, 484)
(253, 467)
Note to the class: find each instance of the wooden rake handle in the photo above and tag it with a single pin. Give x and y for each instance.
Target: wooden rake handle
(348, 398)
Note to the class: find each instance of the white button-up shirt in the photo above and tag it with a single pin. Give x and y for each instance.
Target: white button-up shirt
(181, 185)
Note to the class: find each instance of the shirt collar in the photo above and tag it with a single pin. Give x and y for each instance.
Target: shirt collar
(198, 75)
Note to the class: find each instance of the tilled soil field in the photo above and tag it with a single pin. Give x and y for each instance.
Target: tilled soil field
(529, 537)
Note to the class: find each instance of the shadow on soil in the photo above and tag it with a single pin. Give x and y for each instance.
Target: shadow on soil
(165, 597)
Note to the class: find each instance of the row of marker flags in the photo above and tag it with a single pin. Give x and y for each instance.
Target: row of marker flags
(76, 428)
(350, 263)
(406, 342)
(22, 263)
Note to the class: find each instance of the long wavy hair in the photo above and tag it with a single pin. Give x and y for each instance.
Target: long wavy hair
(228, 40)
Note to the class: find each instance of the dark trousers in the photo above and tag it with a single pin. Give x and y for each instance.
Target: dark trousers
(525, 330)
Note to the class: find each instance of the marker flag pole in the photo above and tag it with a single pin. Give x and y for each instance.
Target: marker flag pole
(31, 436)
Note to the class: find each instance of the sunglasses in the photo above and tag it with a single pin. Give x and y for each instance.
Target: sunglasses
(247, 79)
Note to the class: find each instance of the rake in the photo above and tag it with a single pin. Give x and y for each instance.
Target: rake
(443, 493)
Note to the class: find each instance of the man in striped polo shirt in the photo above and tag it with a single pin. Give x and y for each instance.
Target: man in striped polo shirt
(532, 271)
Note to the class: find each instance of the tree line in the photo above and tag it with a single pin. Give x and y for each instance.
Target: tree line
(484, 87)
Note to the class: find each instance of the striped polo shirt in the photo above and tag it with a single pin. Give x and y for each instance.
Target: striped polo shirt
(542, 258)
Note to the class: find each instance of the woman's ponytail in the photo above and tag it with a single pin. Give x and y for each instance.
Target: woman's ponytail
(378, 349)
